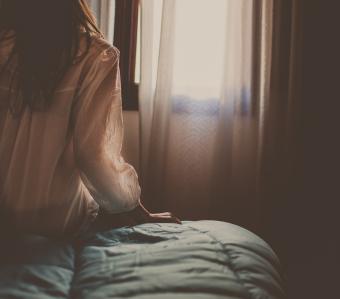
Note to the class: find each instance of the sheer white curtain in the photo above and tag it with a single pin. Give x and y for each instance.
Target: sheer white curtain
(200, 115)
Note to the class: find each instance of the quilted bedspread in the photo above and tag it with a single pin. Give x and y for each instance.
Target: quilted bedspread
(199, 259)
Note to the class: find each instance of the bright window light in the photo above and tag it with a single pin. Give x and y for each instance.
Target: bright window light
(199, 47)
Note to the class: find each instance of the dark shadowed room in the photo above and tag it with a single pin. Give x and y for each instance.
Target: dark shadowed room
(169, 149)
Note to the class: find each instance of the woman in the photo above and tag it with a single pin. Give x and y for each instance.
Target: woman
(61, 127)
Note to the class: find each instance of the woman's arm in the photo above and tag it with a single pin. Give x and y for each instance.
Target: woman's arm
(98, 137)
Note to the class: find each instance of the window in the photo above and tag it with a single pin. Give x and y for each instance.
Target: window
(119, 20)
(125, 39)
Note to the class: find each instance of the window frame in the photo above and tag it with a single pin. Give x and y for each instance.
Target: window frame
(125, 39)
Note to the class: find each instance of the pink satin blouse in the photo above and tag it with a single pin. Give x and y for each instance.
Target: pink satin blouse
(58, 166)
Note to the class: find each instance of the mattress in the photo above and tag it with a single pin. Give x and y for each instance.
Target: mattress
(197, 259)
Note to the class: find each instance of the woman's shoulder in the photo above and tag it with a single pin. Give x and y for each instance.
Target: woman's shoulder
(97, 60)
(100, 49)
(103, 47)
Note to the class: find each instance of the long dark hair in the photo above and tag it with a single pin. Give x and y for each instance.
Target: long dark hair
(47, 42)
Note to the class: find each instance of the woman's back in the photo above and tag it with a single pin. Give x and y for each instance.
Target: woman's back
(53, 162)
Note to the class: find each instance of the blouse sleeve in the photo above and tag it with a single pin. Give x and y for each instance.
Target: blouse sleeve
(98, 137)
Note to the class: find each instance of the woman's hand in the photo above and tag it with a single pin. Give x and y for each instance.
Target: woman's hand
(141, 215)
(138, 215)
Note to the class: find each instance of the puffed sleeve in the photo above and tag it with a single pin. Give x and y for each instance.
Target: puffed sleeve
(98, 136)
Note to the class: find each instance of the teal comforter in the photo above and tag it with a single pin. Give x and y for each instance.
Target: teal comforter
(198, 259)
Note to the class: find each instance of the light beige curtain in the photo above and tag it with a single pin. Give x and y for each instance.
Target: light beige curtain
(157, 53)
(104, 11)
(211, 86)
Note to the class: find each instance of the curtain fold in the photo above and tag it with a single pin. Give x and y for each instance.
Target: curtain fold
(215, 119)
(233, 193)
(156, 81)
(281, 122)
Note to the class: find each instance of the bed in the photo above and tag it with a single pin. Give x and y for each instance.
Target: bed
(198, 259)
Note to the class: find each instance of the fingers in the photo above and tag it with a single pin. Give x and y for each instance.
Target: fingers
(166, 214)
(164, 218)
(140, 216)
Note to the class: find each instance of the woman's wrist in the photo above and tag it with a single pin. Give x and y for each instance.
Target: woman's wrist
(140, 213)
